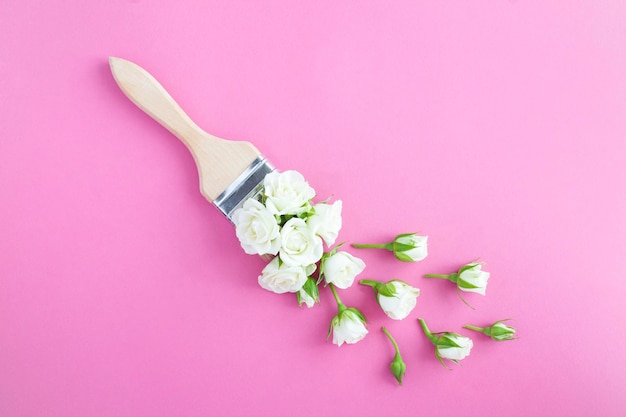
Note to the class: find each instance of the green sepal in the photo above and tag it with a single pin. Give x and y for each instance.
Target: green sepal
(322, 261)
(464, 284)
(405, 235)
(386, 290)
(358, 314)
(334, 250)
(440, 359)
(446, 341)
(401, 256)
(337, 246)
(398, 367)
(331, 326)
(308, 213)
(282, 219)
(458, 292)
(327, 200)
(310, 287)
(468, 266)
(402, 247)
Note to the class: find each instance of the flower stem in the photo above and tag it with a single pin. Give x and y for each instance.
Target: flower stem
(475, 328)
(393, 341)
(440, 276)
(388, 246)
(369, 282)
(427, 332)
(341, 306)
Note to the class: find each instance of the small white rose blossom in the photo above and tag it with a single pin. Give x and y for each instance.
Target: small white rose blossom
(411, 247)
(448, 345)
(454, 347)
(341, 268)
(326, 221)
(472, 279)
(396, 298)
(469, 278)
(407, 247)
(280, 278)
(348, 327)
(287, 193)
(299, 245)
(257, 229)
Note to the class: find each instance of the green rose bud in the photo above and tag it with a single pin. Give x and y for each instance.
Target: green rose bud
(498, 331)
(397, 366)
(407, 247)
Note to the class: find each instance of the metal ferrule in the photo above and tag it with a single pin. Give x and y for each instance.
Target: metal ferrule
(248, 185)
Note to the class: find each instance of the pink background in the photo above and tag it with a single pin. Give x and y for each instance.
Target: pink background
(498, 128)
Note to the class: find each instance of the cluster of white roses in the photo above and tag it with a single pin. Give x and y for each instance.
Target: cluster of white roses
(283, 222)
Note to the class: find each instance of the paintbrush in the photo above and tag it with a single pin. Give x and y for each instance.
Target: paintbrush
(230, 171)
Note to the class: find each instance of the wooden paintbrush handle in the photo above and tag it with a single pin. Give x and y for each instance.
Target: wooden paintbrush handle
(219, 161)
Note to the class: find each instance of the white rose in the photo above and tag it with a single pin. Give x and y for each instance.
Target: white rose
(348, 327)
(326, 221)
(411, 247)
(281, 278)
(309, 293)
(257, 229)
(472, 279)
(448, 345)
(305, 297)
(287, 192)
(299, 245)
(446, 349)
(341, 268)
(399, 305)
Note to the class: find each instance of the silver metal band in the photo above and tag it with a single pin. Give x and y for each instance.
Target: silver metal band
(247, 185)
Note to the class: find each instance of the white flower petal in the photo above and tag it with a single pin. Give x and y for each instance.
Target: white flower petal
(400, 305)
(348, 328)
(257, 229)
(341, 269)
(299, 245)
(281, 278)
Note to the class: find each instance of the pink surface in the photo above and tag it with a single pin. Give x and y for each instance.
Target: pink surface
(496, 128)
